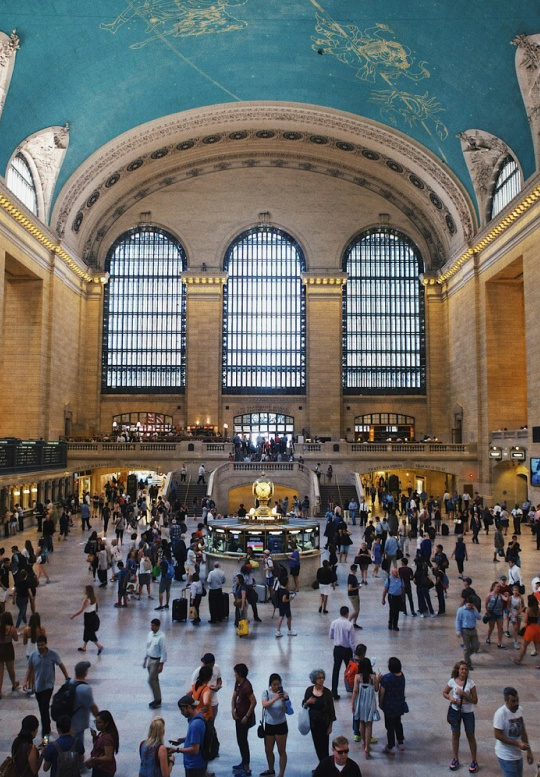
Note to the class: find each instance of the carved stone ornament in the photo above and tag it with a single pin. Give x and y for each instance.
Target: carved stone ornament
(356, 137)
(45, 152)
(482, 152)
(9, 45)
(528, 73)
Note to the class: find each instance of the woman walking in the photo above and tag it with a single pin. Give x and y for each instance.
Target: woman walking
(320, 703)
(461, 693)
(105, 743)
(363, 559)
(41, 560)
(392, 703)
(495, 604)
(364, 703)
(460, 554)
(31, 633)
(23, 595)
(274, 717)
(517, 608)
(532, 629)
(89, 607)
(325, 577)
(8, 635)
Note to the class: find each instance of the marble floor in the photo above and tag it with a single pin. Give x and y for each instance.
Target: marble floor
(427, 648)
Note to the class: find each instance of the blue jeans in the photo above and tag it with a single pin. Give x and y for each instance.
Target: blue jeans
(511, 768)
(22, 604)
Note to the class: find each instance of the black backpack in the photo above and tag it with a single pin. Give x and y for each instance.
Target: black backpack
(63, 701)
(67, 761)
(210, 746)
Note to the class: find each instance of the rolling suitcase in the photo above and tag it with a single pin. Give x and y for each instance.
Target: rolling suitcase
(225, 606)
(180, 609)
(262, 592)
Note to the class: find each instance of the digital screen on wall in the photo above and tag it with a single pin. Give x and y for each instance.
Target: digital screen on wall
(535, 472)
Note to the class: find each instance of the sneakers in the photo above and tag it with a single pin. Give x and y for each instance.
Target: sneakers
(357, 738)
(279, 634)
(454, 765)
(507, 634)
(421, 615)
(373, 741)
(473, 767)
(238, 767)
(401, 747)
(388, 750)
(291, 634)
(488, 641)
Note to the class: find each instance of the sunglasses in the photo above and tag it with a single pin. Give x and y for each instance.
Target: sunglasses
(342, 752)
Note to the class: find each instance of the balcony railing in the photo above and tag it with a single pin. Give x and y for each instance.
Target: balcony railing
(31, 456)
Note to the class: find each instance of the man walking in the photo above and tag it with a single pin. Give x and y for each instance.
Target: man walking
(202, 473)
(342, 633)
(511, 739)
(466, 618)
(40, 677)
(394, 588)
(83, 702)
(338, 764)
(156, 655)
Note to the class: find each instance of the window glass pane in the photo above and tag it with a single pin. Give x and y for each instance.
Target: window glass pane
(21, 182)
(507, 186)
(264, 337)
(383, 316)
(144, 314)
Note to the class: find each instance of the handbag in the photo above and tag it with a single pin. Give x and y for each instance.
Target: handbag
(489, 616)
(405, 708)
(453, 716)
(243, 628)
(375, 714)
(304, 723)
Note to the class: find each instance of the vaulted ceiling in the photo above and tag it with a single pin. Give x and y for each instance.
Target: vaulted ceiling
(428, 69)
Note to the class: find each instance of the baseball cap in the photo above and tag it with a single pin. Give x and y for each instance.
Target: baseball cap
(82, 667)
(187, 701)
(208, 658)
(467, 580)
(266, 551)
(503, 577)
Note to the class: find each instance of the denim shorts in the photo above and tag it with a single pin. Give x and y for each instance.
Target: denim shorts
(468, 723)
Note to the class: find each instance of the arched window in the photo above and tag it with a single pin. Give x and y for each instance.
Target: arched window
(21, 182)
(383, 316)
(144, 318)
(507, 185)
(264, 315)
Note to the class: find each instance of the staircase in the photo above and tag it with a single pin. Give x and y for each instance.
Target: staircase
(339, 495)
(186, 493)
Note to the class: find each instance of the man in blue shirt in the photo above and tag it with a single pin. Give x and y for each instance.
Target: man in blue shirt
(466, 618)
(64, 742)
(394, 587)
(40, 677)
(194, 763)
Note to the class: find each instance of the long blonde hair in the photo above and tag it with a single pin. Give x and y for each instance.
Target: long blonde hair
(156, 732)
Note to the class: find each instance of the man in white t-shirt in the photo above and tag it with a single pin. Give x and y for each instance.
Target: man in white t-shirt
(511, 739)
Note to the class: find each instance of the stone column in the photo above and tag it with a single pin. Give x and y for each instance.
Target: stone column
(204, 310)
(438, 416)
(323, 342)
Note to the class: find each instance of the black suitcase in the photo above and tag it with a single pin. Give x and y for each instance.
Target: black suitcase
(180, 609)
(445, 530)
(225, 606)
(179, 572)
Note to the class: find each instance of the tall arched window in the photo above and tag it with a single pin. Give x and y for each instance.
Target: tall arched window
(21, 182)
(144, 316)
(383, 316)
(264, 315)
(507, 185)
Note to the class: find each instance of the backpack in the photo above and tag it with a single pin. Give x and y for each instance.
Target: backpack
(351, 670)
(7, 768)
(168, 574)
(67, 761)
(63, 701)
(210, 746)
(475, 599)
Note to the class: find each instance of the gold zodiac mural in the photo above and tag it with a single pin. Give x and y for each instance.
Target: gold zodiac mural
(167, 20)
(375, 55)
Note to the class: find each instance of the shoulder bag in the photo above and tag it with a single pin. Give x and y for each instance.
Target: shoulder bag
(453, 716)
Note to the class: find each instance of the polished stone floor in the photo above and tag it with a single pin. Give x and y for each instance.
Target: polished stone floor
(427, 648)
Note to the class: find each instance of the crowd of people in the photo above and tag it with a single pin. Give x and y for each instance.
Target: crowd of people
(157, 553)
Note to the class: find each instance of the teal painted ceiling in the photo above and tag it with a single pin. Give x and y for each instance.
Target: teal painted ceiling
(430, 69)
